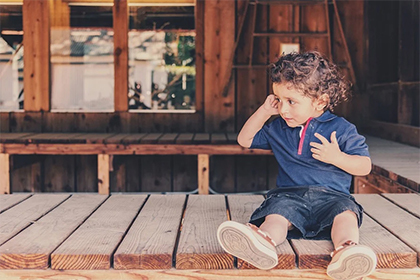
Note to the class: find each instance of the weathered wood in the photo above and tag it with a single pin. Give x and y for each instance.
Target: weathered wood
(396, 220)
(31, 249)
(140, 149)
(405, 134)
(120, 22)
(185, 175)
(4, 173)
(58, 174)
(158, 179)
(220, 26)
(409, 202)
(13, 137)
(9, 200)
(92, 244)
(201, 138)
(151, 138)
(231, 274)
(26, 213)
(150, 242)
(198, 247)
(93, 138)
(218, 138)
(85, 170)
(312, 254)
(203, 174)
(379, 183)
(252, 173)
(199, 61)
(240, 209)
(185, 138)
(168, 138)
(36, 81)
(103, 174)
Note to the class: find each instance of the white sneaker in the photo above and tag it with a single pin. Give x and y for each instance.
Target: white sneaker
(351, 262)
(249, 243)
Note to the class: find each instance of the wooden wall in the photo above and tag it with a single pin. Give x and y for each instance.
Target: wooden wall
(383, 48)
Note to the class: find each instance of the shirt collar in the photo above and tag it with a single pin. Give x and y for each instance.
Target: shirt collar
(325, 117)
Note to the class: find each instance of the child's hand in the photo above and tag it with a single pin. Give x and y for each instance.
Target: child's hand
(326, 152)
(270, 104)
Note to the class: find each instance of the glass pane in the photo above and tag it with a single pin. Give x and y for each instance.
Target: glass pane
(162, 58)
(11, 58)
(82, 70)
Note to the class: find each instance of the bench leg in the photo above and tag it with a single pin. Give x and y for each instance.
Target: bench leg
(203, 174)
(4, 173)
(103, 174)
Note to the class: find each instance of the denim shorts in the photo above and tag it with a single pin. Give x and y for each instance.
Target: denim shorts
(310, 209)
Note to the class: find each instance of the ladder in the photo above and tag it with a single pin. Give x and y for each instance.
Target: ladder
(253, 16)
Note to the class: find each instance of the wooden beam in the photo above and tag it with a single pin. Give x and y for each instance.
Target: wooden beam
(103, 173)
(203, 174)
(4, 173)
(199, 57)
(131, 149)
(36, 40)
(150, 2)
(120, 17)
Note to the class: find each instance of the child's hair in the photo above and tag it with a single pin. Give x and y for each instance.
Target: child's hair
(313, 75)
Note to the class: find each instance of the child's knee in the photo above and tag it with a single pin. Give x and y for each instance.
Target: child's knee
(346, 216)
(279, 219)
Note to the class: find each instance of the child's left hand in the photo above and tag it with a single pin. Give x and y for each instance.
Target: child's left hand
(326, 152)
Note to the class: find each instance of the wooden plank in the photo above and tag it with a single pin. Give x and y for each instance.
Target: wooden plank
(405, 134)
(198, 247)
(201, 138)
(218, 138)
(312, 254)
(103, 174)
(120, 24)
(93, 138)
(133, 138)
(9, 200)
(6, 137)
(4, 173)
(184, 173)
(168, 138)
(393, 218)
(219, 107)
(232, 137)
(199, 65)
(151, 138)
(252, 173)
(150, 242)
(85, 169)
(409, 202)
(223, 173)
(380, 184)
(241, 208)
(203, 174)
(117, 138)
(92, 244)
(58, 173)
(31, 250)
(185, 138)
(36, 81)
(26, 213)
(154, 175)
(231, 274)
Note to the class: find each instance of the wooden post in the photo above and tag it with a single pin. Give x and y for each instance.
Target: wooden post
(36, 41)
(103, 174)
(4, 173)
(120, 17)
(203, 174)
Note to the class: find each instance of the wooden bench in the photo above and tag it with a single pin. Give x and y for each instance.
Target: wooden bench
(140, 236)
(395, 166)
(106, 145)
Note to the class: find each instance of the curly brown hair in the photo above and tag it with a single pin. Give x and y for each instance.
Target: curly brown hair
(313, 75)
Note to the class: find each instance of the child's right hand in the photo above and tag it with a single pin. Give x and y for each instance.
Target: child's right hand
(271, 104)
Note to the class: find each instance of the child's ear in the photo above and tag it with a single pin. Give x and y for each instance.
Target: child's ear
(322, 102)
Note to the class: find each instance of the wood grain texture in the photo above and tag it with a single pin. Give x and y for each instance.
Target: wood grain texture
(241, 208)
(312, 254)
(31, 249)
(26, 213)
(92, 244)
(36, 23)
(225, 274)
(9, 200)
(203, 174)
(150, 242)
(4, 173)
(103, 173)
(198, 247)
(394, 219)
(409, 202)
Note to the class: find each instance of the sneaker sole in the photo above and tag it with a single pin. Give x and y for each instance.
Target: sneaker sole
(353, 264)
(238, 240)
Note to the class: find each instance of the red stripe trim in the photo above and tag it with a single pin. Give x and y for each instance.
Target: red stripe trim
(302, 138)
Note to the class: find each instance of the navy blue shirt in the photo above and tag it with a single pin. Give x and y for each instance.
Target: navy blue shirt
(297, 167)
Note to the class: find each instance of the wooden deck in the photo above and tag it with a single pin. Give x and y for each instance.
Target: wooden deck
(140, 236)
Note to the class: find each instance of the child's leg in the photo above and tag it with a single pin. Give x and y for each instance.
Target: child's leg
(276, 226)
(344, 228)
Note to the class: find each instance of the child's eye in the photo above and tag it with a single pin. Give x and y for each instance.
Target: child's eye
(291, 102)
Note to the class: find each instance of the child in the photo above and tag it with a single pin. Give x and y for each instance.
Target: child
(317, 153)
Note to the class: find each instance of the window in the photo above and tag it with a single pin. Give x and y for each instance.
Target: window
(161, 58)
(11, 58)
(82, 70)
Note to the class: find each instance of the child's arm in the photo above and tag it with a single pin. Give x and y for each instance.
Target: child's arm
(257, 120)
(330, 153)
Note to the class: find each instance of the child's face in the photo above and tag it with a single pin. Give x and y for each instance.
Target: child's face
(294, 107)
